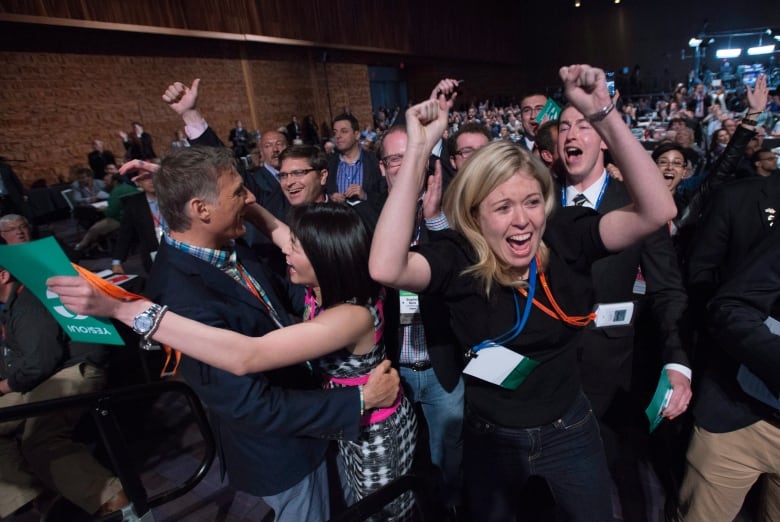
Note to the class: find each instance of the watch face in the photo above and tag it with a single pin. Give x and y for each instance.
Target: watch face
(143, 324)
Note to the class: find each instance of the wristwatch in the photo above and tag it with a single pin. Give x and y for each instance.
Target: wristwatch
(146, 323)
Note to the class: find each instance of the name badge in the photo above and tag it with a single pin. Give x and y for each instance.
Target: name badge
(410, 307)
(499, 365)
(614, 314)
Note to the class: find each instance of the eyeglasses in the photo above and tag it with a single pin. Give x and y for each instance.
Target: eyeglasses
(295, 173)
(677, 164)
(532, 110)
(17, 228)
(773, 157)
(465, 152)
(393, 161)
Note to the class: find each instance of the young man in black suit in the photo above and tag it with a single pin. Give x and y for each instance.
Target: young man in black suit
(606, 355)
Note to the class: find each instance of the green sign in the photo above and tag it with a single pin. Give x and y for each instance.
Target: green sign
(550, 111)
(32, 264)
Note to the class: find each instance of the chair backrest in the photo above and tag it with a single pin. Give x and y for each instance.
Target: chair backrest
(67, 195)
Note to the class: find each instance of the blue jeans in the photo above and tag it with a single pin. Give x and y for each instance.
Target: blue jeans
(444, 416)
(307, 501)
(567, 453)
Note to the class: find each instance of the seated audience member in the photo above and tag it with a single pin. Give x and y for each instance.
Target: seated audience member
(353, 174)
(15, 229)
(38, 454)
(736, 439)
(112, 213)
(87, 189)
(99, 158)
(141, 222)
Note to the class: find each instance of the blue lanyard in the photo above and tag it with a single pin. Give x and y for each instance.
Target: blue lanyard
(598, 201)
(513, 332)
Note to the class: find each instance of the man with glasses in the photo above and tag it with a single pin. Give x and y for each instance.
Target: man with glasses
(765, 162)
(418, 340)
(469, 138)
(303, 173)
(530, 107)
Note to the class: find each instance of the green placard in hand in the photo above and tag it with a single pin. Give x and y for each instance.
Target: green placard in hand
(550, 111)
(32, 264)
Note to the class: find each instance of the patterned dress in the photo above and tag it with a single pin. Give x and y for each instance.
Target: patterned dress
(385, 449)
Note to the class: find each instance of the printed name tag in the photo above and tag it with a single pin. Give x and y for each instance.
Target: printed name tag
(410, 307)
(614, 314)
(499, 365)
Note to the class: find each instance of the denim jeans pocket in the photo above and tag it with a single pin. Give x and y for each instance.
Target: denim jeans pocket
(577, 416)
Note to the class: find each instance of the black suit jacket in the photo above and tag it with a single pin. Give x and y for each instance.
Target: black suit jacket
(607, 353)
(136, 227)
(373, 181)
(271, 427)
(737, 220)
(736, 319)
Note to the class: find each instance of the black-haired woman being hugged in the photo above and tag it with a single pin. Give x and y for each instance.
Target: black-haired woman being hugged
(327, 248)
(516, 282)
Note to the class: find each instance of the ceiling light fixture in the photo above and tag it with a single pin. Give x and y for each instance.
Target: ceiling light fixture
(762, 49)
(728, 53)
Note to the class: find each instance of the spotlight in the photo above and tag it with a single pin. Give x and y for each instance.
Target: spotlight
(577, 3)
(694, 42)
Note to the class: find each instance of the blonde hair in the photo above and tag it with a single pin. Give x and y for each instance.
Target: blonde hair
(485, 170)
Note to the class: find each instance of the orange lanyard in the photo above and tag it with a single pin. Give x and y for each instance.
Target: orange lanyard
(117, 292)
(573, 320)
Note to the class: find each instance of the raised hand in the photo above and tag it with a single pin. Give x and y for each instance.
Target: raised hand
(585, 88)
(432, 197)
(181, 98)
(139, 166)
(758, 95)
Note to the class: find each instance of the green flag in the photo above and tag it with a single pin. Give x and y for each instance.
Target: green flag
(32, 264)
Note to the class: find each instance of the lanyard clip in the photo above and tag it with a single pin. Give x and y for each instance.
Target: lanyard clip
(471, 354)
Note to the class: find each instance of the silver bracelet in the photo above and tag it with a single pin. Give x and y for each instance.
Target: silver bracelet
(601, 113)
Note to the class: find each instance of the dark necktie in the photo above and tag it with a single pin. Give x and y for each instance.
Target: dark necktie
(579, 200)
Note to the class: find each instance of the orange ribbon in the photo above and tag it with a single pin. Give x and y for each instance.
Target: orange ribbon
(121, 294)
(574, 320)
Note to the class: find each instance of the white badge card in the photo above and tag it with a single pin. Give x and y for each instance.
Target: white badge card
(614, 314)
(499, 365)
(409, 306)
